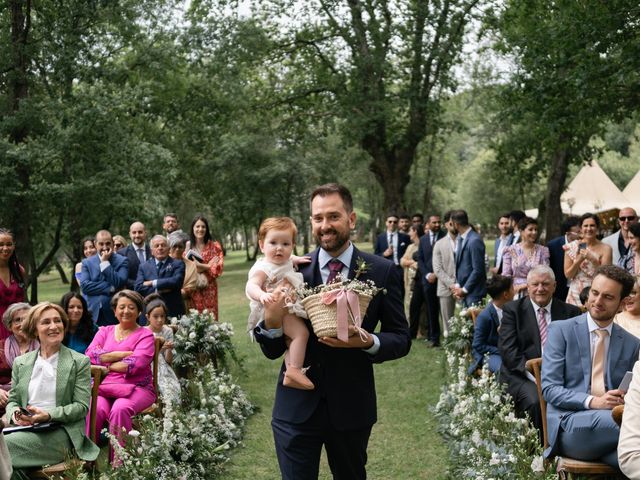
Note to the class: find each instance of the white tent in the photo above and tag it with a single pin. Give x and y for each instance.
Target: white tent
(591, 190)
(632, 192)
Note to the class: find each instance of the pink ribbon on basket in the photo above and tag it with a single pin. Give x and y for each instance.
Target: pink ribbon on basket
(346, 302)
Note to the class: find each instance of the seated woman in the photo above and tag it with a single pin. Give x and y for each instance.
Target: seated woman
(51, 384)
(485, 335)
(126, 349)
(629, 318)
(81, 327)
(168, 383)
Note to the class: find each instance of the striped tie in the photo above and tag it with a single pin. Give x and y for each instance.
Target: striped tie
(542, 325)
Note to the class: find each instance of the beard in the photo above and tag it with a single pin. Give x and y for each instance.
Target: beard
(334, 242)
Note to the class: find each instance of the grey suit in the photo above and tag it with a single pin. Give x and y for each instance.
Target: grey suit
(444, 266)
(573, 429)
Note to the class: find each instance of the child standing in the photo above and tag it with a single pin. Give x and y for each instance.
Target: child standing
(276, 238)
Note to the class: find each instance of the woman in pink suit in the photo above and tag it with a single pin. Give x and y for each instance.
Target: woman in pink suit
(126, 349)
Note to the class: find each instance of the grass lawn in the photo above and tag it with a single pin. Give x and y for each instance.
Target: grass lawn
(404, 443)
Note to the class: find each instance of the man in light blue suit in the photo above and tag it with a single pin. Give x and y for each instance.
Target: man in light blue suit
(101, 276)
(471, 277)
(583, 363)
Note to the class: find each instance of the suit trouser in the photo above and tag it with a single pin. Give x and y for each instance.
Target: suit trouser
(525, 399)
(590, 435)
(447, 309)
(298, 447)
(433, 311)
(415, 310)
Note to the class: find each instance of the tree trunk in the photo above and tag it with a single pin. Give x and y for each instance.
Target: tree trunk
(392, 170)
(63, 276)
(555, 187)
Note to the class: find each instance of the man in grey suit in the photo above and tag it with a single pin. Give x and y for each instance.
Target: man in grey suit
(584, 361)
(444, 266)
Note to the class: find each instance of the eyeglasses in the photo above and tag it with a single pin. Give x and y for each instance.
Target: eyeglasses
(630, 218)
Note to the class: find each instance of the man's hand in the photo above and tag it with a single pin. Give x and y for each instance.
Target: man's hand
(354, 340)
(147, 283)
(432, 278)
(105, 254)
(610, 399)
(458, 292)
(388, 252)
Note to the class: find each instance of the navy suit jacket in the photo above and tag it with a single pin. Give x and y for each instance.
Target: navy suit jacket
(343, 377)
(556, 262)
(98, 287)
(382, 244)
(485, 336)
(566, 369)
(134, 262)
(170, 279)
(470, 270)
(425, 257)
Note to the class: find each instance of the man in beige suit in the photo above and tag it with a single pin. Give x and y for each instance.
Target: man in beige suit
(444, 266)
(629, 442)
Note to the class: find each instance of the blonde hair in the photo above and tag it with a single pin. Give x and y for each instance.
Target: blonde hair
(30, 325)
(277, 223)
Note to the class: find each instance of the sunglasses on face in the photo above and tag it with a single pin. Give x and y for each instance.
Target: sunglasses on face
(118, 245)
(392, 221)
(630, 218)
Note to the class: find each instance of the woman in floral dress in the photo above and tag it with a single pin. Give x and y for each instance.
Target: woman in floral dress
(518, 259)
(207, 254)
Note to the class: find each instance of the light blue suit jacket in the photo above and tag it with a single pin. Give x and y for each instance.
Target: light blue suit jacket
(566, 369)
(470, 269)
(98, 287)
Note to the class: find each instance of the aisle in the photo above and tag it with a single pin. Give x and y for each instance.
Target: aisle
(404, 443)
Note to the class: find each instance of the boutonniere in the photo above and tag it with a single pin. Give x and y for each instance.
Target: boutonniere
(169, 268)
(361, 267)
(402, 244)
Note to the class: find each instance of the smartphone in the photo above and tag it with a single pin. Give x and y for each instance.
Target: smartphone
(582, 246)
(25, 412)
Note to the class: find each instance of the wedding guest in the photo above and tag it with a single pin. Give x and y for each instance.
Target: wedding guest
(209, 259)
(485, 334)
(631, 261)
(88, 250)
(119, 243)
(629, 318)
(629, 441)
(619, 241)
(81, 329)
(404, 222)
(410, 264)
(521, 257)
(570, 231)
(444, 266)
(127, 350)
(502, 241)
(177, 246)
(12, 281)
(583, 256)
(53, 384)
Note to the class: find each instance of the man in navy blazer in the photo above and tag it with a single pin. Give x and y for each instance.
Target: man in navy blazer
(471, 276)
(340, 412)
(137, 251)
(581, 391)
(101, 276)
(429, 280)
(164, 275)
(570, 231)
(399, 242)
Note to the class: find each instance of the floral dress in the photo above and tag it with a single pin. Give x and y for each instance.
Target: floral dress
(516, 263)
(583, 277)
(207, 298)
(168, 382)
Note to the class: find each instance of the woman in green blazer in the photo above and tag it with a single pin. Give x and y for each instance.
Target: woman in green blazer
(52, 384)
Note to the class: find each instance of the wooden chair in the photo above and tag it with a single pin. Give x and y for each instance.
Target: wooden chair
(617, 414)
(59, 469)
(155, 408)
(567, 467)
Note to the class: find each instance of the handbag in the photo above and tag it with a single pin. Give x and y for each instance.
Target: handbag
(190, 275)
(202, 281)
(115, 390)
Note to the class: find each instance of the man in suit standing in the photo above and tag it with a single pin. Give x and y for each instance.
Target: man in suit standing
(444, 266)
(523, 333)
(164, 275)
(101, 276)
(570, 231)
(137, 253)
(619, 241)
(583, 363)
(340, 412)
(502, 242)
(432, 233)
(170, 224)
(392, 244)
(514, 218)
(471, 277)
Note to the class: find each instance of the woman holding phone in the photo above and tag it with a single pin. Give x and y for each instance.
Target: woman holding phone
(583, 256)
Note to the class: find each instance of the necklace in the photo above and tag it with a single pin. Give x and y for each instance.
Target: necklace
(121, 334)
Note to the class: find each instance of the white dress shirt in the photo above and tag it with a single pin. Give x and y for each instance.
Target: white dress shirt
(42, 385)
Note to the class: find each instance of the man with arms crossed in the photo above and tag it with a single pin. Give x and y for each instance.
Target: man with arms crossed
(341, 411)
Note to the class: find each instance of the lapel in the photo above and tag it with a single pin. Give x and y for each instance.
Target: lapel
(494, 315)
(62, 376)
(25, 376)
(353, 266)
(311, 272)
(461, 247)
(581, 332)
(614, 353)
(532, 322)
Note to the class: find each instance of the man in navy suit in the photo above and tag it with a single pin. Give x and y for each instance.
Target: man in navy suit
(392, 244)
(429, 280)
(340, 412)
(502, 241)
(137, 252)
(471, 276)
(101, 276)
(570, 231)
(164, 275)
(583, 363)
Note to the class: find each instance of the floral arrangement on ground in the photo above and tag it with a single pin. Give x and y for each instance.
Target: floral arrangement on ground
(484, 437)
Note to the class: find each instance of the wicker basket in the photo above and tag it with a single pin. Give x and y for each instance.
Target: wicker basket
(324, 317)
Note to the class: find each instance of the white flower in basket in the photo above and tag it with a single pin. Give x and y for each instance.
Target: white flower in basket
(331, 308)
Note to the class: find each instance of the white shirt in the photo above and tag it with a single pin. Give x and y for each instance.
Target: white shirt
(324, 258)
(501, 247)
(392, 241)
(42, 385)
